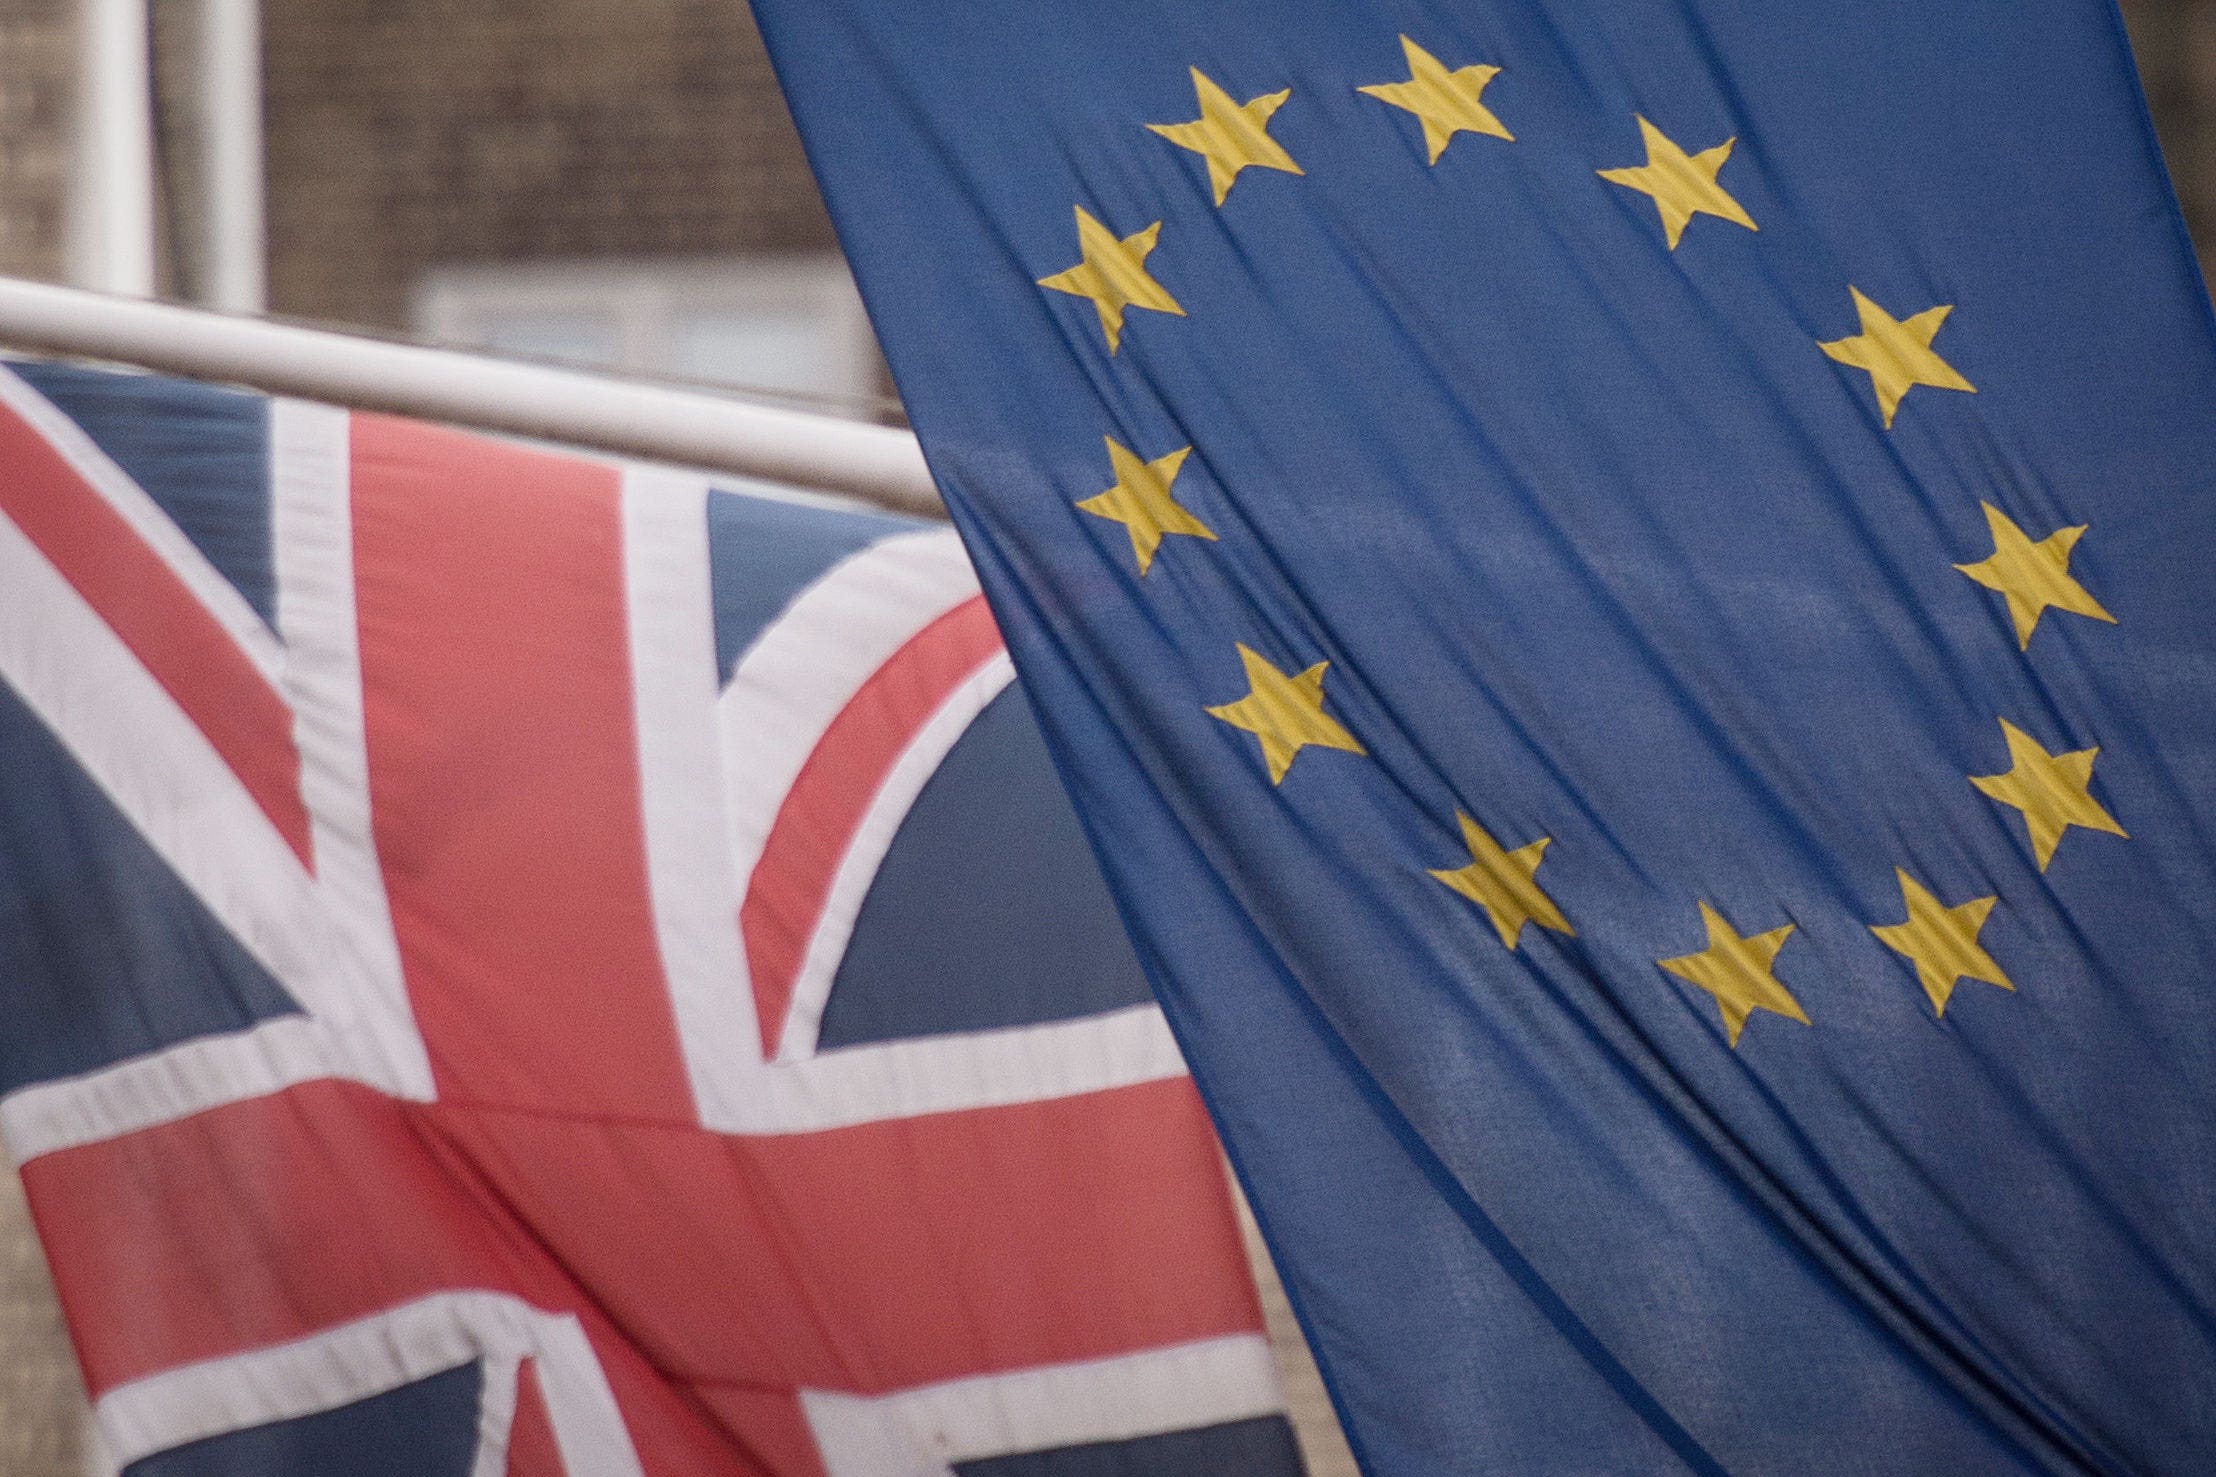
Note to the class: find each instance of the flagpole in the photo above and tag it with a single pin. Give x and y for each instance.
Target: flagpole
(692, 428)
(111, 192)
(231, 151)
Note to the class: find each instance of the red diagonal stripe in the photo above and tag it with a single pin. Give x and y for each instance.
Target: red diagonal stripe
(817, 821)
(504, 772)
(159, 619)
(532, 1451)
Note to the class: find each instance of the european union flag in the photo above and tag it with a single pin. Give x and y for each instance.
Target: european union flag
(1626, 593)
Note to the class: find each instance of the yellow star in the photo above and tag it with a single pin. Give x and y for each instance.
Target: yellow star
(1737, 971)
(1113, 274)
(1141, 501)
(1501, 882)
(1229, 135)
(2032, 576)
(1285, 713)
(1941, 942)
(2050, 789)
(1683, 185)
(1447, 102)
(1896, 353)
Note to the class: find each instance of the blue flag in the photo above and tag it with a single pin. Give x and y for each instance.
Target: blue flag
(1625, 593)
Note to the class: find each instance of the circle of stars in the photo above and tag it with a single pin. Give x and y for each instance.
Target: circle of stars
(1287, 713)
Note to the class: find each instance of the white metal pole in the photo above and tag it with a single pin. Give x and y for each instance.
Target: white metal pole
(111, 227)
(231, 148)
(688, 427)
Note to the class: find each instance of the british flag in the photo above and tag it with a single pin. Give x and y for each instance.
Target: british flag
(511, 963)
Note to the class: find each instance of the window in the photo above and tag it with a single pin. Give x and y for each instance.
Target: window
(792, 324)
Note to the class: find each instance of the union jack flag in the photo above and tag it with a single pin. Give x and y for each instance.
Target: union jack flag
(513, 963)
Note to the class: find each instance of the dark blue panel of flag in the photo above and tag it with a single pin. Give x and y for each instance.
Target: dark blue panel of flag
(763, 551)
(200, 452)
(78, 998)
(1624, 592)
(425, 1429)
(1235, 1449)
(989, 865)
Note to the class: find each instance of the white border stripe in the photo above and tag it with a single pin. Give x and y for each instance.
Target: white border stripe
(380, 1353)
(674, 684)
(978, 1069)
(925, 1431)
(177, 1082)
(146, 519)
(496, 1415)
(311, 484)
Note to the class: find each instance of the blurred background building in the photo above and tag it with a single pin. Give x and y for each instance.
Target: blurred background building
(614, 184)
(609, 182)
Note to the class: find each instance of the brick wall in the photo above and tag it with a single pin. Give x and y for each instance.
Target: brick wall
(407, 133)
(35, 52)
(2175, 43)
(41, 1401)
(410, 133)
(41, 1405)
